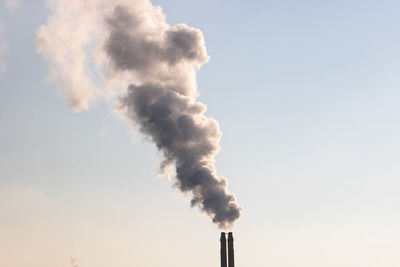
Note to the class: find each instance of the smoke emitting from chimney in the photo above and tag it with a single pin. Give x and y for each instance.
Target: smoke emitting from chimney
(109, 45)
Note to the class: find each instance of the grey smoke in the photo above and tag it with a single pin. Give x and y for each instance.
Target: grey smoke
(189, 140)
(166, 112)
(161, 102)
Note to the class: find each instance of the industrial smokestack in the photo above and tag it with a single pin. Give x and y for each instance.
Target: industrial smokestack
(223, 250)
(231, 258)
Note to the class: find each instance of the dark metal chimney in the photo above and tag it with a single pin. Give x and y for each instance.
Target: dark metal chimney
(223, 250)
(231, 258)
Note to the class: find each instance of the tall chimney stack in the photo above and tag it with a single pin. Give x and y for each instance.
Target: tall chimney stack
(223, 250)
(231, 259)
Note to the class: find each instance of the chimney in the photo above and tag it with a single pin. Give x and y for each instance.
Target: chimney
(231, 259)
(223, 250)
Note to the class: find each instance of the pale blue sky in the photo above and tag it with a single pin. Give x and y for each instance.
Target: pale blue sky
(306, 94)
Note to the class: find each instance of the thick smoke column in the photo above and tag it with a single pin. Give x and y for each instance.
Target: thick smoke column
(162, 101)
(164, 58)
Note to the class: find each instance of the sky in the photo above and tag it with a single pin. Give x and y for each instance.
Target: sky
(306, 94)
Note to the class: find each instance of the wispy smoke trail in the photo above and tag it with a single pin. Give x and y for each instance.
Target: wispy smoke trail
(162, 59)
(65, 42)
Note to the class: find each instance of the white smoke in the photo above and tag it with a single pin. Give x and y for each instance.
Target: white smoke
(65, 42)
(89, 44)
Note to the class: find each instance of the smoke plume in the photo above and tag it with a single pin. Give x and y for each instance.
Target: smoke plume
(160, 97)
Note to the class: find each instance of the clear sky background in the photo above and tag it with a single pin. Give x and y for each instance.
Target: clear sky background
(307, 96)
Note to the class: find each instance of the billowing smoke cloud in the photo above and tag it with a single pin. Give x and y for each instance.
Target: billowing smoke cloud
(135, 41)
